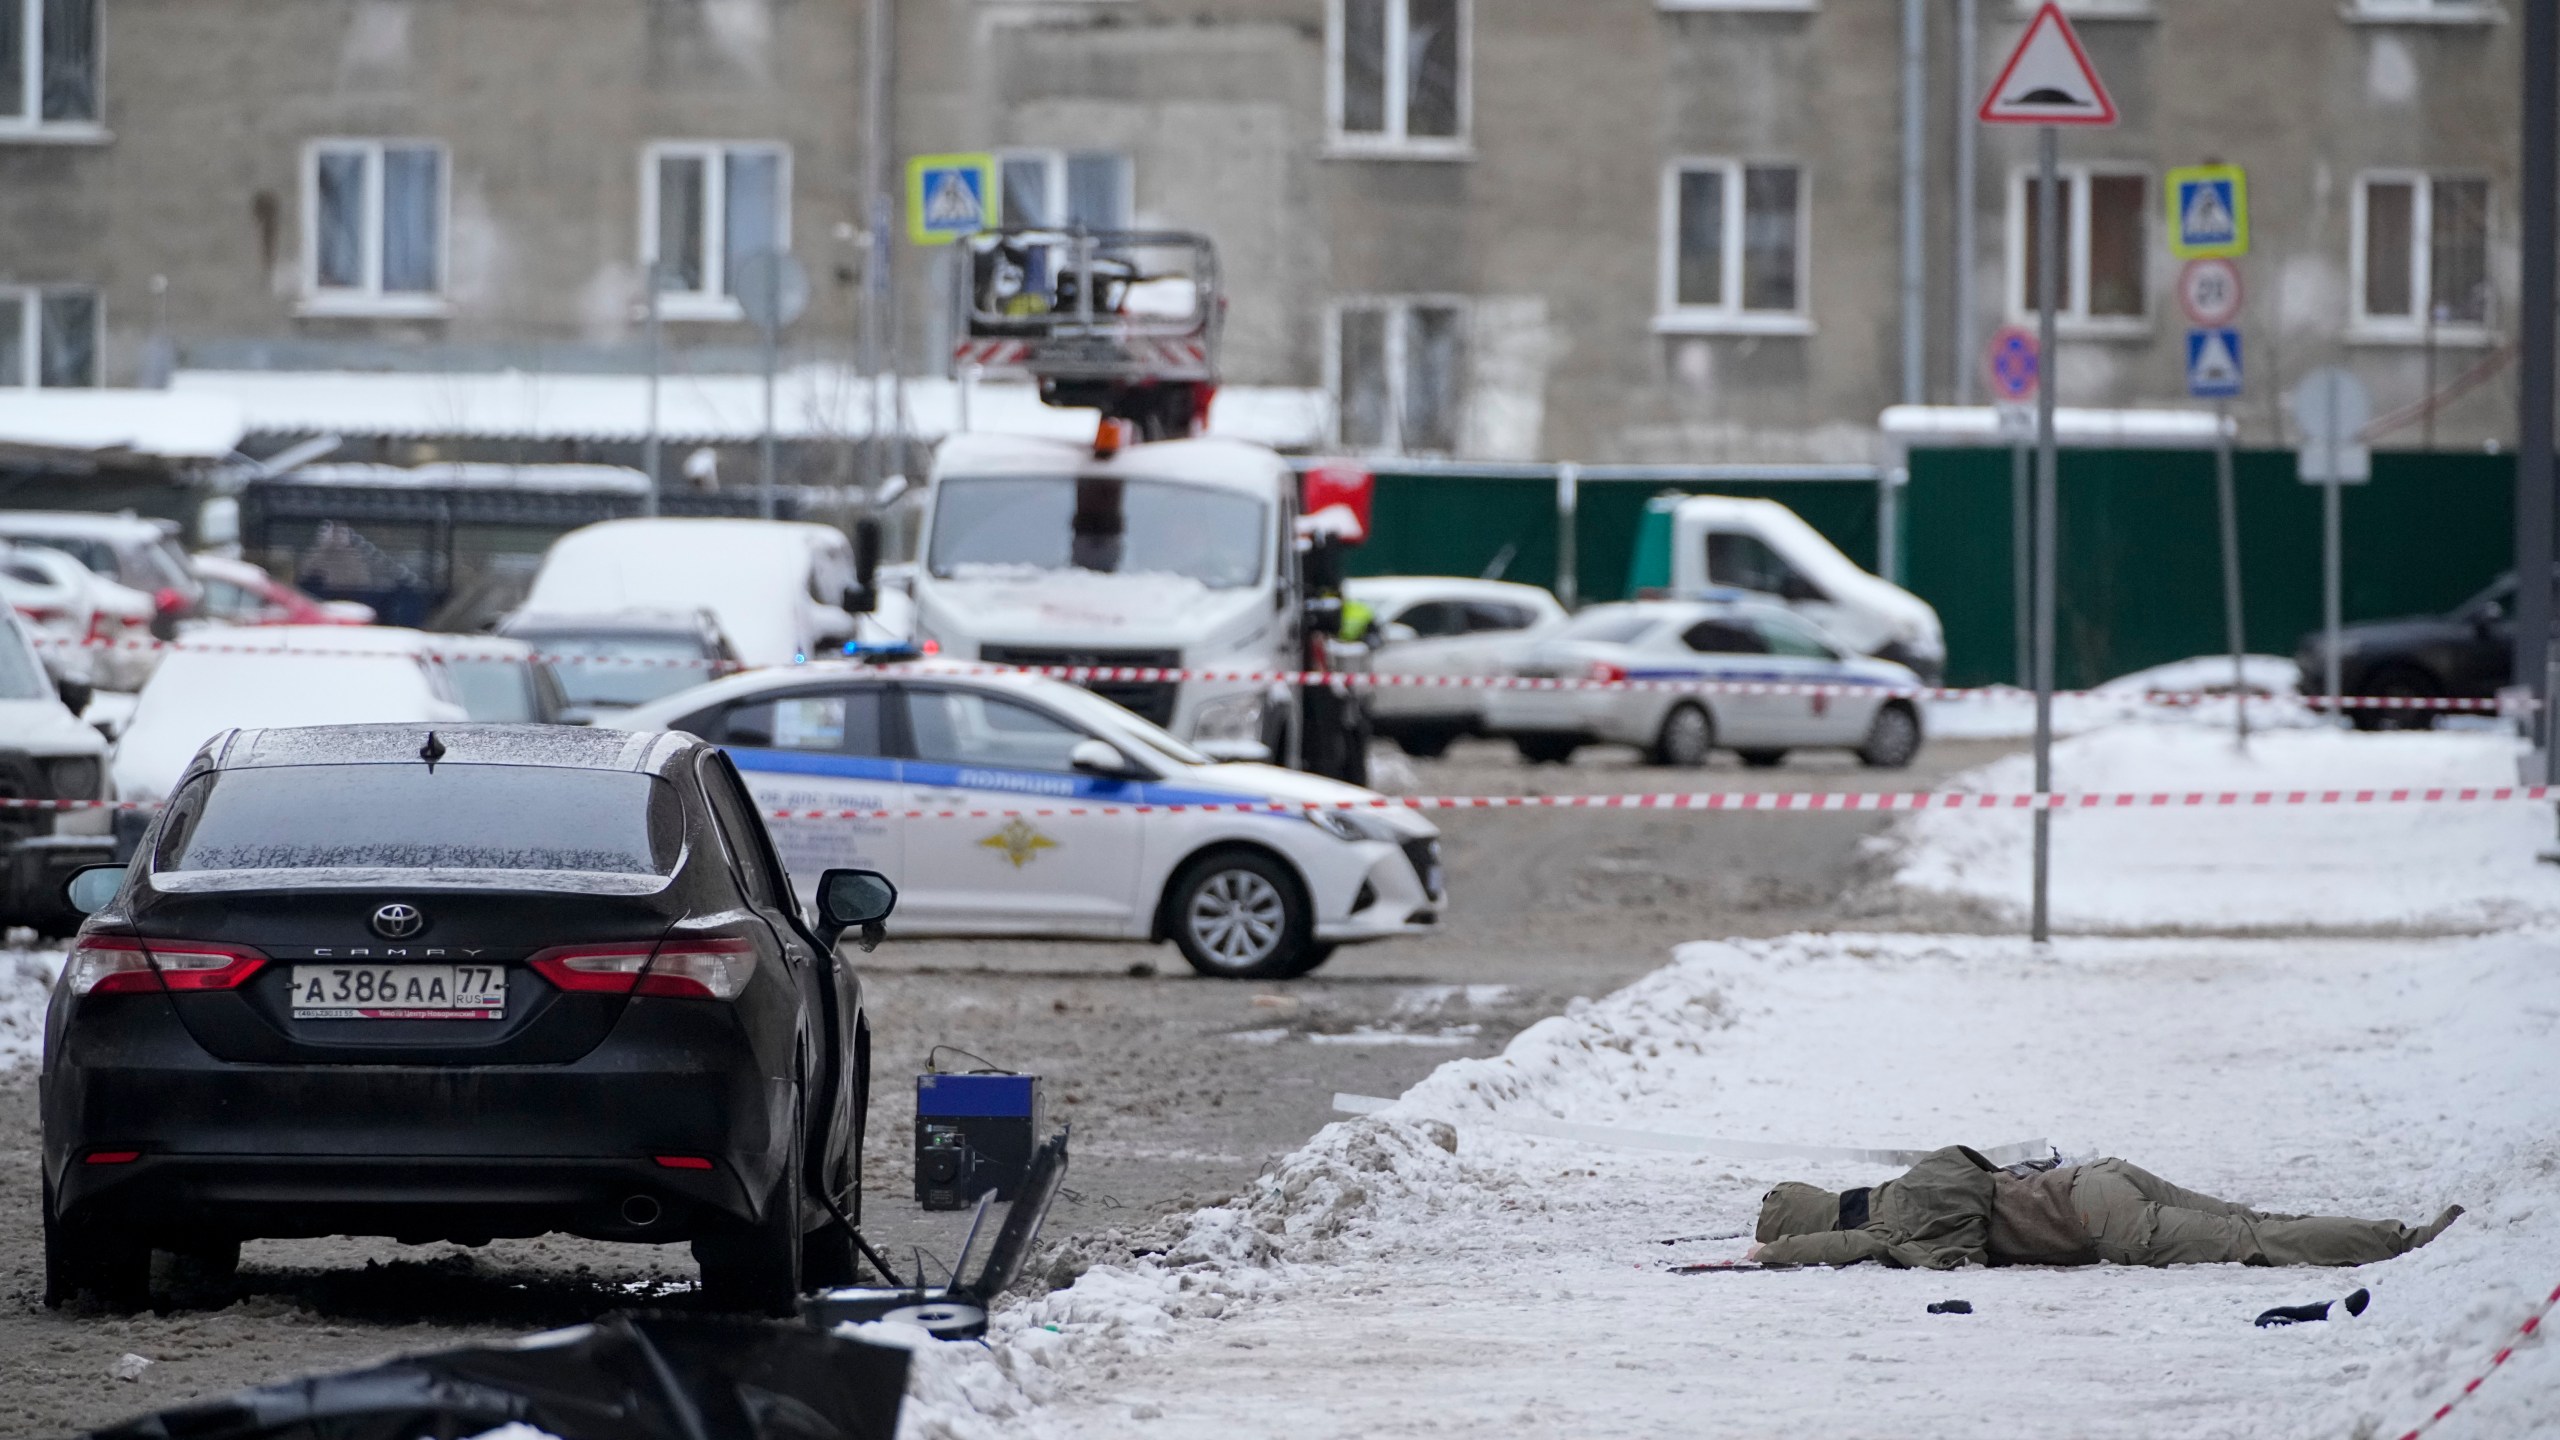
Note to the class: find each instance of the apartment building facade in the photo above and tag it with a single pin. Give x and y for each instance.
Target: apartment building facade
(1652, 230)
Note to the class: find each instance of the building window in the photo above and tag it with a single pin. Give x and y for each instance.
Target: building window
(1733, 246)
(704, 209)
(48, 64)
(48, 337)
(2106, 232)
(374, 226)
(1066, 189)
(1399, 76)
(1399, 369)
(2422, 254)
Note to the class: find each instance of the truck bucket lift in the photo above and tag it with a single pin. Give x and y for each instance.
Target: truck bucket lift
(1124, 321)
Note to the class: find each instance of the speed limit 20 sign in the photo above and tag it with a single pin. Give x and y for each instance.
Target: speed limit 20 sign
(2209, 291)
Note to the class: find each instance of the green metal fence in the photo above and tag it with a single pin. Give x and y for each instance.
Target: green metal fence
(2140, 581)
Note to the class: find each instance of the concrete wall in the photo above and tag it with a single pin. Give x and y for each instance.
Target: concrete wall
(1548, 229)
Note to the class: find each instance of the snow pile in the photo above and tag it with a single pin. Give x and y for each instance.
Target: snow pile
(1518, 1285)
(2002, 713)
(2449, 866)
(26, 985)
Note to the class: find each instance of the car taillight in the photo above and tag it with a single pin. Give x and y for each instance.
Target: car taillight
(115, 965)
(1604, 672)
(690, 969)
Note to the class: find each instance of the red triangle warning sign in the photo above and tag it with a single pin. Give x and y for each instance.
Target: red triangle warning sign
(2048, 80)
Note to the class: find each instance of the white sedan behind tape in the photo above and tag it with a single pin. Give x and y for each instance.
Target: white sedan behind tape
(1243, 894)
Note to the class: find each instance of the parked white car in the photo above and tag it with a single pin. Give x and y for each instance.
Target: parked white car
(277, 675)
(92, 630)
(1245, 894)
(134, 551)
(1449, 626)
(45, 754)
(777, 587)
(1721, 542)
(1723, 639)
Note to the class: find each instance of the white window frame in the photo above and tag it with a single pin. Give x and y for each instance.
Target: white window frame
(28, 126)
(1670, 317)
(2424, 12)
(2071, 314)
(370, 299)
(30, 337)
(2413, 329)
(1398, 307)
(1054, 162)
(1393, 142)
(711, 302)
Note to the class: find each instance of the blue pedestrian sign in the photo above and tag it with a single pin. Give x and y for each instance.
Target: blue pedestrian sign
(2213, 364)
(948, 197)
(2208, 211)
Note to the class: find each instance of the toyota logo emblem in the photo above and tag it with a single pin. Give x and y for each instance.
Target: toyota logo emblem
(398, 922)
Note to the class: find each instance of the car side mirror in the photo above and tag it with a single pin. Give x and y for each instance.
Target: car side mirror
(1396, 632)
(92, 886)
(1101, 757)
(854, 900)
(577, 715)
(2490, 615)
(76, 694)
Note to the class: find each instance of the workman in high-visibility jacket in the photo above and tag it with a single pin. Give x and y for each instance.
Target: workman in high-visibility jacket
(1957, 1208)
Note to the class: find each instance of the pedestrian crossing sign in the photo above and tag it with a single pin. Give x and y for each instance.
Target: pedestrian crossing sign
(2208, 212)
(949, 197)
(2213, 364)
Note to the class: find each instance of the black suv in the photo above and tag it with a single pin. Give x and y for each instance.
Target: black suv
(2467, 653)
(450, 985)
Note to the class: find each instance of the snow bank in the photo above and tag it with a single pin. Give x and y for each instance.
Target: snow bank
(1517, 1285)
(2000, 713)
(2416, 867)
(26, 984)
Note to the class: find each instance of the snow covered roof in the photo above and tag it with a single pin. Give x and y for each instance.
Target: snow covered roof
(454, 475)
(113, 424)
(811, 402)
(1935, 425)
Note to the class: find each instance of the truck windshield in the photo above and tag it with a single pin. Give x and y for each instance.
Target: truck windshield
(1112, 526)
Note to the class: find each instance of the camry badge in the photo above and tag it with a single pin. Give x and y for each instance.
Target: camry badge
(398, 922)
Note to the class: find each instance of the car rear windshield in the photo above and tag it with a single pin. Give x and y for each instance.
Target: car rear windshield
(1609, 627)
(621, 667)
(406, 817)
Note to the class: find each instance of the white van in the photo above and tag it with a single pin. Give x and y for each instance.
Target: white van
(1718, 542)
(779, 588)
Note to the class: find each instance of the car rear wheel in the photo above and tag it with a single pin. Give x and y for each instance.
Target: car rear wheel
(1546, 749)
(2402, 682)
(82, 1258)
(1685, 738)
(1240, 915)
(1427, 742)
(1762, 759)
(1893, 739)
(757, 1271)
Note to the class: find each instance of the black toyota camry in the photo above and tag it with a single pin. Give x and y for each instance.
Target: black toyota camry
(452, 985)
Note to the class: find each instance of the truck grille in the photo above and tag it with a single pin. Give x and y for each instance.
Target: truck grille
(1151, 700)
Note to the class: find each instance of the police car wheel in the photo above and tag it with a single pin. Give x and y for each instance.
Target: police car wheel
(1762, 759)
(1241, 916)
(1893, 739)
(1686, 737)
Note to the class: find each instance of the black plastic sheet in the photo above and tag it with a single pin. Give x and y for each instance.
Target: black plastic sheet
(659, 1377)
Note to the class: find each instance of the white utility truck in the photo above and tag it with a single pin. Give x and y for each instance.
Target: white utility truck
(1148, 549)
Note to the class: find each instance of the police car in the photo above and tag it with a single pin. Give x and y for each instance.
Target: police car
(1724, 637)
(1245, 895)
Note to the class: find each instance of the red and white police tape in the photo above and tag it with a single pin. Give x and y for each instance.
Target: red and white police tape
(2523, 1332)
(1798, 802)
(1340, 679)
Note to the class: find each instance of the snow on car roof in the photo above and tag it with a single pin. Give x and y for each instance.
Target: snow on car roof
(123, 526)
(754, 575)
(559, 746)
(1227, 464)
(1394, 589)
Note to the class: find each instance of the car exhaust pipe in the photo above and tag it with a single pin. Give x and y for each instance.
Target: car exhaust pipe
(640, 1210)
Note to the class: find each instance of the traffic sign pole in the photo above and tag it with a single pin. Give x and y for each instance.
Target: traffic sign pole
(2227, 502)
(2048, 268)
